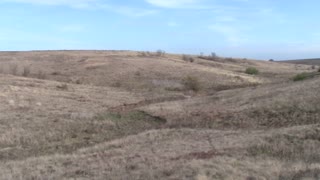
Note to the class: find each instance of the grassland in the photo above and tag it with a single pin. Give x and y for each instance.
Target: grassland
(315, 61)
(138, 115)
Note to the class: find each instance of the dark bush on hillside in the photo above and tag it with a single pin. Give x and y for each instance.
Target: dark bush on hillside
(252, 71)
(191, 83)
(319, 69)
(26, 71)
(160, 52)
(212, 57)
(303, 76)
(187, 58)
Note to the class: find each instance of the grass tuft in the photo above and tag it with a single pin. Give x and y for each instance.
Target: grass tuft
(191, 83)
(252, 71)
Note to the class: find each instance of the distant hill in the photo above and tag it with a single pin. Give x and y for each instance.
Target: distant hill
(315, 61)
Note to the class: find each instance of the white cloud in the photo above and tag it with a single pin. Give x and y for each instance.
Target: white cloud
(173, 3)
(172, 24)
(133, 12)
(89, 4)
(230, 33)
(72, 3)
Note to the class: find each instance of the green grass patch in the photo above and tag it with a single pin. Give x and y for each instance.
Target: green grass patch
(252, 71)
(304, 76)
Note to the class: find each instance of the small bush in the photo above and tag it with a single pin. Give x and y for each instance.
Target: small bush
(252, 71)
(214, 55)
(271, 60)
(187, 58)
(160, 52)
(143, 54)
(41, 75)
(26, 71)
(55, 73)
(319, 69)
(191, 83)
(62, 86)
(302, 76)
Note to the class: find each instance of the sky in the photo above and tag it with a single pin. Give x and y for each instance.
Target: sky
(260, 29)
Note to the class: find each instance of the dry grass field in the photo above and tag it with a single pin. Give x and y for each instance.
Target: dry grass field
(137, 115)
(315, 61)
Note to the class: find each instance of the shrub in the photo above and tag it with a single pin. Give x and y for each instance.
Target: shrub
(187, 58)
(160, 52)
(26, 71)
(62, 86)
(302, 76)
(55, 73)
(319, 69)
(143, 54)
(252, 71)
(271, 60)
(41, 75)
(214, 55)
(191, 83)
(230, 59)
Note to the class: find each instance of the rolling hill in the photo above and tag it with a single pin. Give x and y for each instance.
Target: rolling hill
(315, 61)
(138, 115)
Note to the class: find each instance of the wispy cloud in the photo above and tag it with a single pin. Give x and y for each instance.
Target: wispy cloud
(130, 11)
(175, 3)
(90, 5)
(225, 18)
(232, 34)
(71, 3)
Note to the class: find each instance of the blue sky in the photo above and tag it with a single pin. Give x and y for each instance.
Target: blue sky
(262, 29)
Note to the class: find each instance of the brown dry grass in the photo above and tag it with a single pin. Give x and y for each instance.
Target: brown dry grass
(179, 154)
(121, 115)
(269, 106)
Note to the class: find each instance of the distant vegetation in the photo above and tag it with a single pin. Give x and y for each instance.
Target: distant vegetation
(158, 53)
(303, 76)
(315, 61)
(212, 57)
(187, 58)
(191, 83)
(252, 71)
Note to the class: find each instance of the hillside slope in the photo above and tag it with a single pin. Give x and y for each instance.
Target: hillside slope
(132, 115)
(315, 61)
(184, 154)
